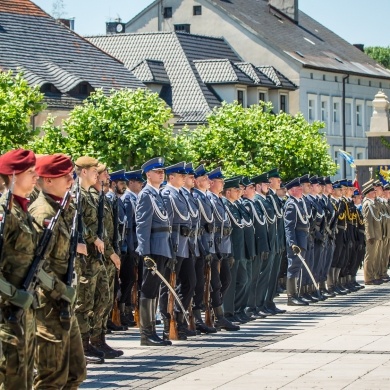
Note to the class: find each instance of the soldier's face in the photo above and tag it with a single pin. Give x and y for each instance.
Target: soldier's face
(135, 186)
(202, 183)
(121, 187)
(379, 191)
(264, 187)
(305, 188)
(337, 192)
(275, 183)
(329, 188)
(104, 177)
(357, 199)
(177, 179)
(189, 181)
(156, 176)
(386, 194)
(90, 175)
(58, 186)
(24, 182)
(216, 185)
(249, 191)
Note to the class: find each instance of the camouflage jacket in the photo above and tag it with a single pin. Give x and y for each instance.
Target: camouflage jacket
(57, 254)
(20, 241)
(108, 223)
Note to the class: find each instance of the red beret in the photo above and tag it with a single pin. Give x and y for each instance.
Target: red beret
(55, 165)
(16, 161)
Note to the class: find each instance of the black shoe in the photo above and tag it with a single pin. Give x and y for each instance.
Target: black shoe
(241, 319)
(357, 285)
(306, 298)
(318, 296)
(115, 328)
(245, 317)
(294, 301)
(234, 320)
(262, 313)
(338, 291)
(328, 294)
(270, 311)
(279, 311)
(93, 359)
(203, 328)
(223, 323)
(148, 339)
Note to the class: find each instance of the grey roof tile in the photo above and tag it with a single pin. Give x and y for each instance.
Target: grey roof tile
(278, 78)
(220, 71)
(151, 71)
(307, 42)
(255, 74)
(48, 52)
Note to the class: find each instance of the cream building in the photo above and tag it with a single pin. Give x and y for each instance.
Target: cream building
(277, 33)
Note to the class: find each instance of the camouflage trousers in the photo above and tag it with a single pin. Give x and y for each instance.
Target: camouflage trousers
(59, 356)
(93, 295)
(17, 361)
(110, 267)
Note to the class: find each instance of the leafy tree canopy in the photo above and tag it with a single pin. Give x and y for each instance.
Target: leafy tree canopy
(18, 103)
(379, 54)
(249, 141)
(124, 129)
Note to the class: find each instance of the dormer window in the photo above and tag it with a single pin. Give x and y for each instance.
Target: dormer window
(82, 90)
(197, 10)
(167, 12)
(49, 89)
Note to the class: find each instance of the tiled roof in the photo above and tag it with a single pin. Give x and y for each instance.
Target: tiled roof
(255, 74)
(220, 71)
(192, 100)
(151, 71)
(49, 53)
(274, 75)
(22, 7)
(308, 42)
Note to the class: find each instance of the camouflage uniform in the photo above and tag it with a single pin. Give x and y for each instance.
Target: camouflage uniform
(100, 294)
(59, 355)
(20, 239)
(90, 307)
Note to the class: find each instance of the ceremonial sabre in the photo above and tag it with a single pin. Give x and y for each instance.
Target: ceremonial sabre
(151, 264)
(308, 271)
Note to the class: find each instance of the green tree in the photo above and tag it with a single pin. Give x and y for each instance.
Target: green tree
(18, 103)
(379, 54)
(123, 129)
(249, 141)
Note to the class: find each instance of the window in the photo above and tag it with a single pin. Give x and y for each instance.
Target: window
(283, 103)
(183, 27)
(323, 77)
(241, 97)
(167, 12)
(359, 156)
(358, 115)
(369, 83)
(197, 10)
(336, 113)
(311, 76)
(311, 111)
(336, 79)
(358, 81)
(324, 111)
(348, 112)
(336, 156)
(262, 97)
(380, 85)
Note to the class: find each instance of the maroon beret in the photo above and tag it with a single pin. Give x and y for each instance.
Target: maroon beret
(55, 165)
(16, 161)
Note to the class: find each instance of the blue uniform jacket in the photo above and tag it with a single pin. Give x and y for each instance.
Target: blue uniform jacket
(296, 224)
(179, 218)
(222, 240)
(207, 224)
(152, 224)
(195, 221)
(129, 201)
(269, 213)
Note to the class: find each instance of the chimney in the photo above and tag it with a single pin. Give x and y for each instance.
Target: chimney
(67, 22)
(359, 46)
(288, 8)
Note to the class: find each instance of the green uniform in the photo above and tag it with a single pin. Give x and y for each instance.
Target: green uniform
(88, 312)
(20, 240)
(104, 295)
(60, 361)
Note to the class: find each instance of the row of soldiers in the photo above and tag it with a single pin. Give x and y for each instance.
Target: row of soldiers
(219, 242)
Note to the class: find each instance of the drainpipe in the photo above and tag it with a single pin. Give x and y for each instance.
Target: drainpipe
(344, 132)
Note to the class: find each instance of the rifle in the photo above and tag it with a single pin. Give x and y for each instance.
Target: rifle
(7, 211)
(173, 333)
(100, 217)
(192, 325)
(134, 295)
(76, 237)
(35, 274)
(206, 296)
(115, 217)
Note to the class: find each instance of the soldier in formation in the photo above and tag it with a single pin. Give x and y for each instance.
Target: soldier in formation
(201, 242)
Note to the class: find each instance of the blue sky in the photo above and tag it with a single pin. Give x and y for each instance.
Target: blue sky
(357, 21)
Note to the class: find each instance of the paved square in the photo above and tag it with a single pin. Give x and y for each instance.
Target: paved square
(343, 343)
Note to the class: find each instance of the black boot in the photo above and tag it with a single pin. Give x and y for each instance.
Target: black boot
(337, 285)
(221, 322)
(183, 324)
(109, 353)
(129, 316)
(292, 295)
(115, 328)
(305, 296)
(89, 353)
(155, 335)
(356, 284)
(146, 324)
(181, 327)
(200, 325)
